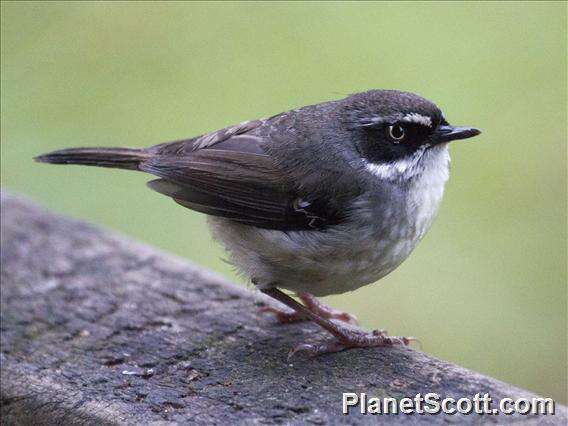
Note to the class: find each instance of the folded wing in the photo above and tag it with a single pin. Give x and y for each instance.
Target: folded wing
(235, 179)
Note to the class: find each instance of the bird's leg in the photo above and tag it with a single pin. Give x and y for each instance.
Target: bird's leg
(313, 305)
(347, 336)
(325, 311)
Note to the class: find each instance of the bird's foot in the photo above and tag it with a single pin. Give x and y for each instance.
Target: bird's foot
(351, 338)
(346, 335)
(315, 306)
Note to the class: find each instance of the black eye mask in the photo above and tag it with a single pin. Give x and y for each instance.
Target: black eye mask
(385, 142)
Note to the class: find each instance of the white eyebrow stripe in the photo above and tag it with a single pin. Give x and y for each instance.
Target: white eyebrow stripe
(414, 117)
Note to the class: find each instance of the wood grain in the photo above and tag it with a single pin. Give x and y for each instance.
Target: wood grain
(96, 328)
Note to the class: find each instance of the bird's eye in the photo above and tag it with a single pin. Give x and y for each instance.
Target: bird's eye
(396, 132)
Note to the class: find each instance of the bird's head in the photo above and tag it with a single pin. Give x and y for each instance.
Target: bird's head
(399, 134)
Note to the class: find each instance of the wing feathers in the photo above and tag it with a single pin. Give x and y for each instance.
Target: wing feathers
(232, 177)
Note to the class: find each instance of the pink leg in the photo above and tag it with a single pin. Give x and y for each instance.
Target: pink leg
(314, 305)
(347, 336)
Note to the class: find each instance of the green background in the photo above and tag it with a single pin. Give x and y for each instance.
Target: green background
(486, 288)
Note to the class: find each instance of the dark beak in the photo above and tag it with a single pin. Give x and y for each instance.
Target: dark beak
(445, 133)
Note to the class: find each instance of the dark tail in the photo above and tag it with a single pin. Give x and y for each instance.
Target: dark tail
(122, 158)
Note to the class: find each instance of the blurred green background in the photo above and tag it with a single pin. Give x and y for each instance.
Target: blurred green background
(486, 288)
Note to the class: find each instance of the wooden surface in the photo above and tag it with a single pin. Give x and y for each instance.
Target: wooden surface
(99, 329)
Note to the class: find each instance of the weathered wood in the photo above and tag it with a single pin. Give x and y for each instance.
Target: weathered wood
(99, 329)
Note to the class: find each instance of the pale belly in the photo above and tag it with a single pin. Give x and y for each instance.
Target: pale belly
(338, 260)
(341, 258)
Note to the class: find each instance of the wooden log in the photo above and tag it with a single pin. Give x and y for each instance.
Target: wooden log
(96, 328)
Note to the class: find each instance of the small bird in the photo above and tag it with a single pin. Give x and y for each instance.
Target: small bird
(317, 200)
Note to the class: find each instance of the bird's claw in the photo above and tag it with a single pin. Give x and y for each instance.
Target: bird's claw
(312, 350)
(353, 339)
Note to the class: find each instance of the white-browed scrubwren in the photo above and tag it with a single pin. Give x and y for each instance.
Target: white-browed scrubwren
(318, 200)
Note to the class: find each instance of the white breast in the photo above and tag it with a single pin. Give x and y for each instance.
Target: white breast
(427, 190)
(344, 257)
(375, 254)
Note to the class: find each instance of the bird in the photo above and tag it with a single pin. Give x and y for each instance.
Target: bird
(315, 201)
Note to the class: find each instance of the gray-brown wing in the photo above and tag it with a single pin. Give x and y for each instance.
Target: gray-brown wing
(235, 179)
(185, 146)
